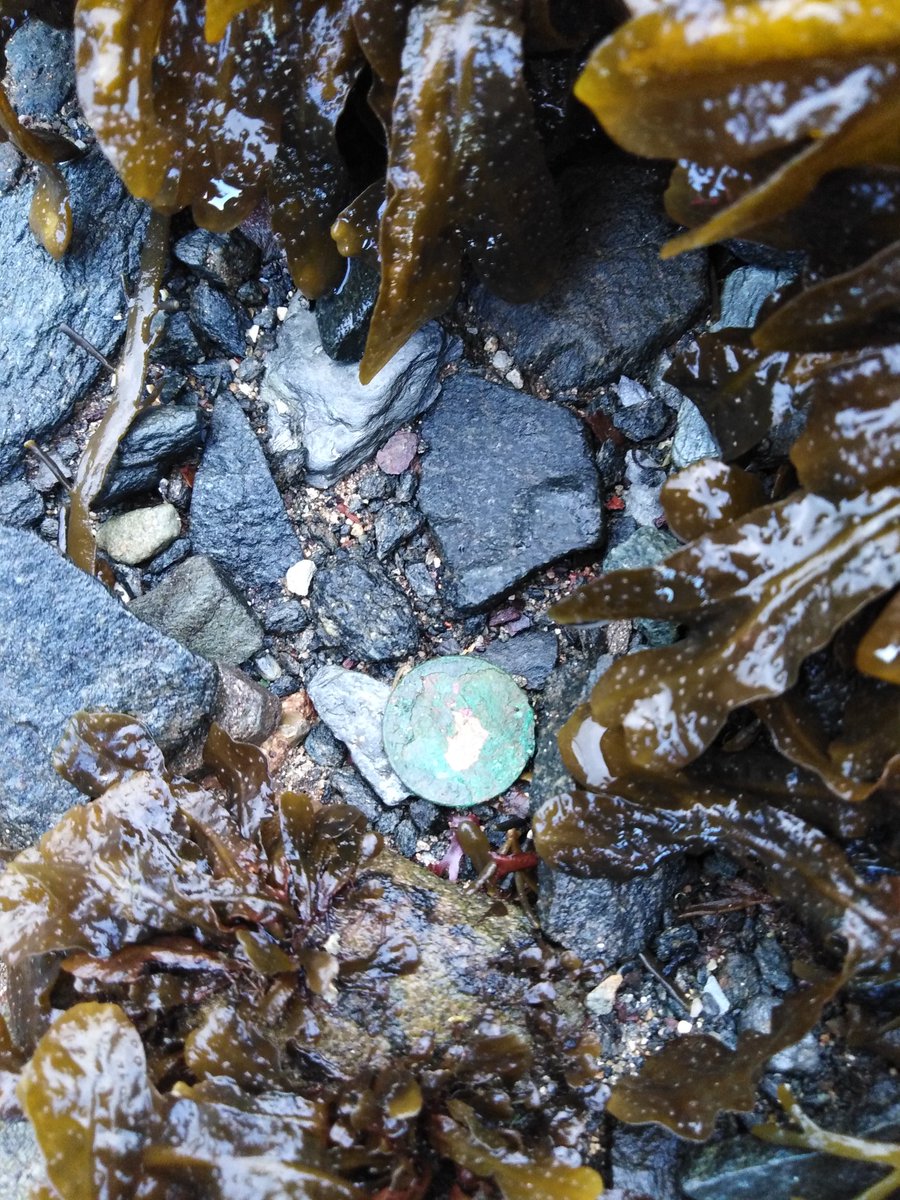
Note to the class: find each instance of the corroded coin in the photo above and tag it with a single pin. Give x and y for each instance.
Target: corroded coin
(458, 731)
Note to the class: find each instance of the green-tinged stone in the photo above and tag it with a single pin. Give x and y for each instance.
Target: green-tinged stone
(458, 731)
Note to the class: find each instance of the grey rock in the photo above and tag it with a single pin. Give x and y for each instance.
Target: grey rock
(318, 405)
(269, 667)
(420, 581)
(286, 616)
(134, 537)
(40, 74)
(646, 1162)
(10, 167)
(640, 415)
(744, 1168)
(376, 486)
(21, 1160)
(42, 374)
(352, 706)
(803, 1058)
(744, 292)
(237, 514)
(405, 837)
(394, 525)
(343, 317)
(531, 655)
(245, 710)
(179, 550)
(357, 792)
(58, 657)
(693, 438)
(406, 488)
(158, 437)
(774, 964)
(195, 604)
(218, 320)
(177, 345)
(610, 462)
(643, 485)
(423, 813)
(359, 609)
(508, 486)
(646, 546)
(20, 504)
(604, 918)
(323, 747)
(228, 259)
(617, 302)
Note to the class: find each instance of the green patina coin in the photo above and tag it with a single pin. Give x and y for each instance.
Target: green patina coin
(458, 731)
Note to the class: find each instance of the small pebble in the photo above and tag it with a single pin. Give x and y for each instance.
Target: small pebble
(268, 667)
(601, 999)
(299, 577)
(684, 1027)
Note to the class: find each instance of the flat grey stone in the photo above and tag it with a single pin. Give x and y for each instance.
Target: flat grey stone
(197, 605)
(319, 406)
(616, 302)
(744, 292)
(507, 486)
(693, 438)
(352, 706)
(42, 373)
(20, 504)
(66, 644)
(359, 609)
(134, 537)
(237, 514)
(531, 655)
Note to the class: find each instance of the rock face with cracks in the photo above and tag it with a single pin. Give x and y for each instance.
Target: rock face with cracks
(508, 486)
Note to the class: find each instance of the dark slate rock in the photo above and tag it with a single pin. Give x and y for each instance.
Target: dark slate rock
(20, 505)
(218, 320)
(158, 437)
(376, 486)
(531, 655)
(508, 486)
(42, 374)
(195, 604)
(640, 415)
(286, 616)
(610, 463)
(357, 792)
(237, 514)
(177, 344)
(693, 438)
(318, 405)
(394, 525)
(617, 302)
(323, 747)
(245, 710)
(228, 259)
(67, 644)
(420, 581)
(744, 292)
(646, 1162)
(344, 316)
(603, 918)
(176, 553)
(360, 610)
(40, 73)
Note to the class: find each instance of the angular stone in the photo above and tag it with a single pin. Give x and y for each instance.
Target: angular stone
(228, 259)
(158, 436)
(693, 437)
(352, 706)
(394, 525)
(744, 292)
(42, 373)
(343, 317)
(508, 486)
(40, 73)
(20, 504)
(135, 536)
(530, 656)
(646, 1160)
(218, 320)
(246, 711)
(360, 610)
(616, 302)
(67, 644)
(646, 546)
(237, 514)
(195, 604)
(639, 414)
(319, 405)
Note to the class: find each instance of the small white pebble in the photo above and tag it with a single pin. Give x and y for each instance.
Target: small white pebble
(281, 312)
(712, 965)
(713, 988)
(253, 333)
(683, 1027)
(515, 378)
(501, 361)
(696, 1007)
(299, 577)
(600, 1000)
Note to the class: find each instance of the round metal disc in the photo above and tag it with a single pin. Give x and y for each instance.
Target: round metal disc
(458, 731)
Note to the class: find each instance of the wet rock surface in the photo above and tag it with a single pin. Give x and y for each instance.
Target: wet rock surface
(157, 438)
(67, 644)
(498, 516)
(358, 608)
(42, 373)
(617, 303)
(317, 405)
(237, 514)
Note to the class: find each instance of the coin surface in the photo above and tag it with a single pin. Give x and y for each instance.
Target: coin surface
(458, 731)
